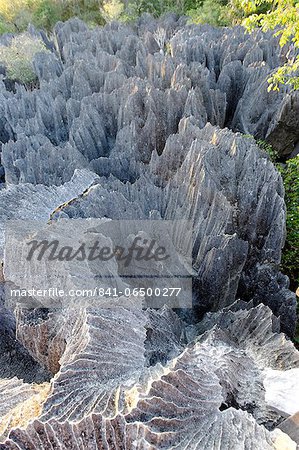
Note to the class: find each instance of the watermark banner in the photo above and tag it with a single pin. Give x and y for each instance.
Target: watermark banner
(98, 263)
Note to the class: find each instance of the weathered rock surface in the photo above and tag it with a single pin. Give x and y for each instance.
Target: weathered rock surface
(211, 392)
(122, 128)
(20, 402)
(37, 202)
(234, 198)
(15, 360)
(118, 105)
(282, 391)
(290, 426)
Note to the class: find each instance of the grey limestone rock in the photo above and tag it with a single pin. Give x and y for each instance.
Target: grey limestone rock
(210, 393)
(120, 127)
(234, 198)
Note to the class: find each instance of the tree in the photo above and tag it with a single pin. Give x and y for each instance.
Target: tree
(112, 10)
(283, 17)
(18, 56)
(11, 12)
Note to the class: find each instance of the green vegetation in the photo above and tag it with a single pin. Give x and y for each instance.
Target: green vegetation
(213, 12)
(17, 15)
(290, 257)
(17, 57)
(268, 149)
(226, 12)
(282, 16)
(5, 27)
(112, 10)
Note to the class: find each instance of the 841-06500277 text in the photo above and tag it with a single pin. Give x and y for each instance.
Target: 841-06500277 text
(98, 292)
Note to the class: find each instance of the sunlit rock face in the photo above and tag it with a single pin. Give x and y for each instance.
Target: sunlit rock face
(205, 392)
(125, 126)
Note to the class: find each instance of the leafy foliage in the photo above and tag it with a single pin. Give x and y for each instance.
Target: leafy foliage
(284, 17)
(226, 12)
(268, 149)
(10, 10)
(212, 12)
(290, 258)
(5, 27)
(112, 10)
(134, 8)
(45, 13)
(238, 10)
(16, 15)
(17, 57)
(87, 10)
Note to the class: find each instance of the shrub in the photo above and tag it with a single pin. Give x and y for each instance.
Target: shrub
(46, 13)
(268, 149)
(6, 27)
(238, 10)
(18, 56)
(290, 257)
(282, 16)
(212, 12)
(9, 10)
(134, 8)
(87, 10)
(112, 10)
(17, 15)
